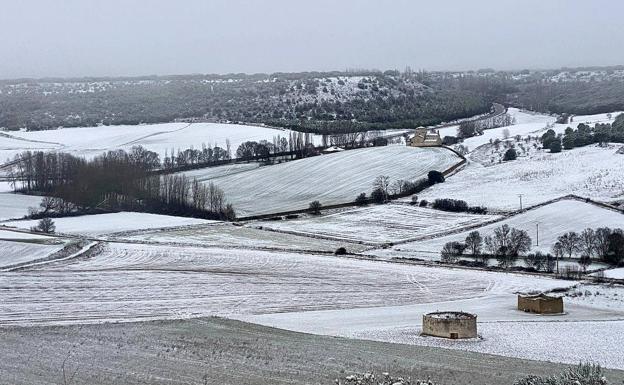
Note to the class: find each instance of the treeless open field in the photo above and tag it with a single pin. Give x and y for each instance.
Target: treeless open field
(218, 351)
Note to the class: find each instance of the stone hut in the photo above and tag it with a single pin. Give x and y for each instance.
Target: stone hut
(450, 324)
(540, 304)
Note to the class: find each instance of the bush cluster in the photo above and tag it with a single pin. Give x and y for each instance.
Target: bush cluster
(457, 206)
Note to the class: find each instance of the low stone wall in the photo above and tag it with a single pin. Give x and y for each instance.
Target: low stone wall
(452, 325)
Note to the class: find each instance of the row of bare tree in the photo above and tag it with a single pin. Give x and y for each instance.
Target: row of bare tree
(116, 180)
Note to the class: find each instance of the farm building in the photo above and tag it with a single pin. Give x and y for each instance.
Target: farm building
(450, 324)
(425, 138)
(540, 304)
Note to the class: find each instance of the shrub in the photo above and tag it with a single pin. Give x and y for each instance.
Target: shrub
(45, 225)
(555, 146)
(450, 140)
(477, 210)
(380, 142)
(583, 374)
(539, 261)
(452, 251)
(423, 203)
(229, 214)
(453, 205)
(472, 263)
(414, 199)
(510, 154)
(340, 251)
(315, 207)
(435, 177)
(548, 138)
(383, 379)
(361, 199)
(378, 196)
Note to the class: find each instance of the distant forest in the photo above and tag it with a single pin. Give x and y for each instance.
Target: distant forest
(324, 103)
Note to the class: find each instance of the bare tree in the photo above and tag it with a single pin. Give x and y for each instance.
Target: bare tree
(587, 242)
(507, 244)
(398, 187)
(474, 242)
(601, 239)
(382, 183)
(569, 243)
(47, 204)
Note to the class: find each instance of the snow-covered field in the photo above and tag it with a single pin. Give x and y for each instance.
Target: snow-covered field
(553, 219)
(91, 141)
(527, 123)
(130, 282)
(14, 252)
(102, 224)
(13, 206)
(579, 335)
(318, 294)
(12, 235)
(227, 235)
(330, 179)
(591, 171)
(161, 267)
(306, 292)
(614, 273)
(204, 174)
(382, 223)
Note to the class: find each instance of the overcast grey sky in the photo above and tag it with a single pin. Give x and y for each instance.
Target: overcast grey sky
(139, 37)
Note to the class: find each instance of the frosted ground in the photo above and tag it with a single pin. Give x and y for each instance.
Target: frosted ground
(330, 179)
(379, 223)
(614, 273)
(554, 220)
(13, 206)
(161, 138)
(306, 292)
(579, 335)
(228, 235)
(184, 274)
(14, 252)
(131, 282)
(527, 123)
(592, 171)
(208, 173)
(102, 224)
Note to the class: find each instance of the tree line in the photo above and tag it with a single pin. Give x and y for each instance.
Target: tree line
(506, 244)
(115, 180)
(584, 135)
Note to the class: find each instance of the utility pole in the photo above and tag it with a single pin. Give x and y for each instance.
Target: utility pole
(520, 196)
(537, 233)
